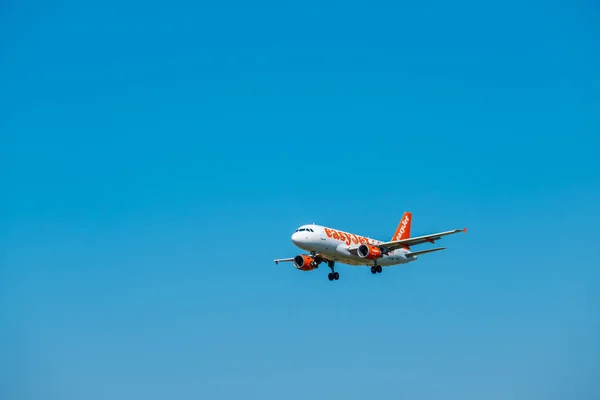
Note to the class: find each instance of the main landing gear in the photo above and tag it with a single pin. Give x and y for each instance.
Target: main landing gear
(376, 269)
(332, 275)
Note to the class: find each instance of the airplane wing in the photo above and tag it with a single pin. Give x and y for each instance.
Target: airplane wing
(277, 261)
(418, 253)
(318, 258)
(404, 243)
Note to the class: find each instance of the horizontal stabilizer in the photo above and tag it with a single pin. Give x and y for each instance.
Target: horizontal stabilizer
(418, 253)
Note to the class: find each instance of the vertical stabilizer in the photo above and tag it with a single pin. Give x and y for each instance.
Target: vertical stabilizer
(403, 230)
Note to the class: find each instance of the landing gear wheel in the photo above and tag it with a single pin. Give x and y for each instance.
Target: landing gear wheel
(373, 270)
(332, 275)
(379, 269)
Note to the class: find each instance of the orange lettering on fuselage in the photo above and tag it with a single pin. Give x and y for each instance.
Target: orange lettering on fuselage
(348, 237)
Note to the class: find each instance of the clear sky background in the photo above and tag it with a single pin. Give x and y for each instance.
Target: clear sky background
(155, 158)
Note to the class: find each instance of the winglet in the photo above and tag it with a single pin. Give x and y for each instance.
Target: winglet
(276, 262)
(465, 230)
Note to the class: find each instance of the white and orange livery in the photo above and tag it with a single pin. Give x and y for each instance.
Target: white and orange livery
(332, 245)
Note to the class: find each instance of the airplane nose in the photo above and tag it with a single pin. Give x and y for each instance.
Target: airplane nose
(296, 238)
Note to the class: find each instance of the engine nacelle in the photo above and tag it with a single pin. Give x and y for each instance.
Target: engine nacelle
(369, 252)
(304, 262)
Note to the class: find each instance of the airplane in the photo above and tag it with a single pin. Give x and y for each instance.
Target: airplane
(332, 245)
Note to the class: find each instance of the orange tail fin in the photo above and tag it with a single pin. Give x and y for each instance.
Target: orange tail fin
(403, 231)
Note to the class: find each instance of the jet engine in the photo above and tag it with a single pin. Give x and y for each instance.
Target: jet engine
(304, 262)
(369, 252)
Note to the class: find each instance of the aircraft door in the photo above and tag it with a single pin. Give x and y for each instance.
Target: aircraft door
(324, 244)
(323, 235)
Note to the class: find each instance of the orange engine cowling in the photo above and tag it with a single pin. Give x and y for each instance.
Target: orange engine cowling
(304, 263)
(369, 252)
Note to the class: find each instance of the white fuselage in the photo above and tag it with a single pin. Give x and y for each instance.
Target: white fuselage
(335, 245)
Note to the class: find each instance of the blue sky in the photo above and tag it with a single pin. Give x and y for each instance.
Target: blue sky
(156, 158)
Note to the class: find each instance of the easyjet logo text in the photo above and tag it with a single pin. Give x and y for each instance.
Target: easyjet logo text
(346, 237)
(402, 227)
